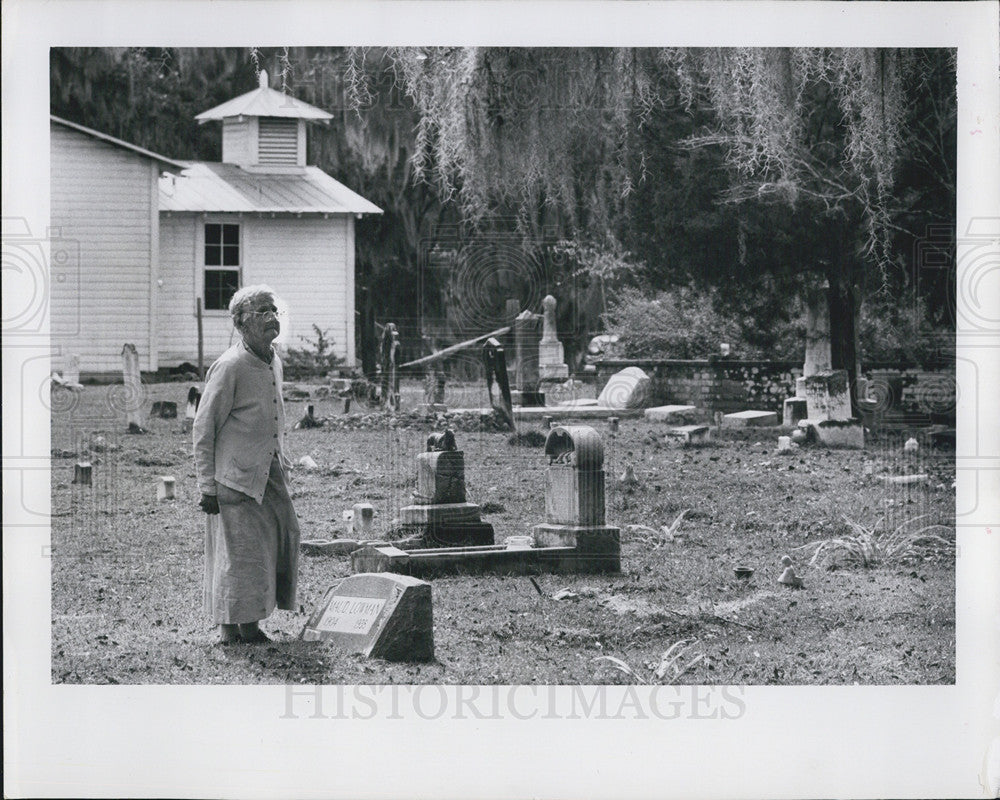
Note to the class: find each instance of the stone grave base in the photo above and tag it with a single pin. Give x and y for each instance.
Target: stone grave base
(598, 548)
(671, 413)
(553, 372)
(465, 534)
(439, 514)
(497, 559)
(746, 419)
(431, 408)
(689, 434)
(845, 433)
(446, 525)
(793, 410)
(460, 560)
(527, 399)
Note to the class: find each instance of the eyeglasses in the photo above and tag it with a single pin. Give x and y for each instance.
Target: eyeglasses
(263, 312)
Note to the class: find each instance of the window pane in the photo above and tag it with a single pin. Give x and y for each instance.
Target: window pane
(213, 233)
(231, 234)
(213, 255)
(220, 286)
(230, 255)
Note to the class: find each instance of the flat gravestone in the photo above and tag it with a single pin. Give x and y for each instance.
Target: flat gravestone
(687, 434)
(380, 615)
(743, 419)
(668, 413)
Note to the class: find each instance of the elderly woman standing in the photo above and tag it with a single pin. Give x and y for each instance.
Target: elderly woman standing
(252, 533)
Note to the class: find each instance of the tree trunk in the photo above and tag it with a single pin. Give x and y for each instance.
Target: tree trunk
(844, 307)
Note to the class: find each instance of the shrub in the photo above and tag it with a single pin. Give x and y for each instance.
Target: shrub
(314, 361)
(679, 323)
(891, 331)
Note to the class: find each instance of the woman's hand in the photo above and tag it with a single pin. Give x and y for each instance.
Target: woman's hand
(209, 504)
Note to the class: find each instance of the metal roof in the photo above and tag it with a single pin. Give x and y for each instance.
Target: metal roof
(163, 160)
(227, 187)
(264, 102)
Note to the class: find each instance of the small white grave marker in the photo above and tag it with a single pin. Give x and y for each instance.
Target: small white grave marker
(363, 520)
(82, 473)
(165, 489)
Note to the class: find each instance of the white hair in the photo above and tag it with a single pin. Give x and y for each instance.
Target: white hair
(245, 296)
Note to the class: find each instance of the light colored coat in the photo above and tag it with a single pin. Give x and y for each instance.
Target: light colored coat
(240, 424)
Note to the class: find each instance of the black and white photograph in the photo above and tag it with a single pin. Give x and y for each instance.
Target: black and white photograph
(447, 384)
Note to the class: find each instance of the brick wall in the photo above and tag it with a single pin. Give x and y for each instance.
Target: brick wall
(724, 385)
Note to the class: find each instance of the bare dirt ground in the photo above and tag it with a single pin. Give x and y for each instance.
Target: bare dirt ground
(127, 569)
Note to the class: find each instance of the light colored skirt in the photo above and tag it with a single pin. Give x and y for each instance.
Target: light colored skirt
(251, 553)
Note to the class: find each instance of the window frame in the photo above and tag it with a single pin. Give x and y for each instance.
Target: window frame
(205, 268)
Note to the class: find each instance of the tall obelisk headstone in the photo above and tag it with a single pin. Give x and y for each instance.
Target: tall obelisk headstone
(817, 352)
(551, 359)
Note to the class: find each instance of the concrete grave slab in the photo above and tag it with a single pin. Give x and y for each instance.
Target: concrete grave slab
(748, 419)
(381, 615)
(329, 546)
(840, 433)
(689, 434)
(576, 411)
(669, 413)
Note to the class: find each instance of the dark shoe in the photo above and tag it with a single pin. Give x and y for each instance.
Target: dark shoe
(229, 634)
(257, 637)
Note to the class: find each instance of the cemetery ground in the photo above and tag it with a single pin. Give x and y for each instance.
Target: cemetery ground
(127, 569)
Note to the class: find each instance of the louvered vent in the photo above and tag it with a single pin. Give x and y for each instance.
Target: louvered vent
(278, 141)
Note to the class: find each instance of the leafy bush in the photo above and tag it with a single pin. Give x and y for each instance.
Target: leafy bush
(893, 331)
(315, 361)
(679, 323)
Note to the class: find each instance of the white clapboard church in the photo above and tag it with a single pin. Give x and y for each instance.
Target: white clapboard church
(159, 237)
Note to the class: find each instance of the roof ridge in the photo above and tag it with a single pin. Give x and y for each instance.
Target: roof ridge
(116, 141)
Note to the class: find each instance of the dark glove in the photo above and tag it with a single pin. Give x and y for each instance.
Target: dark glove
(209, 504)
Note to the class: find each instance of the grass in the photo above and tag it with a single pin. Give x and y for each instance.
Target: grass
(126, 569)
(878, 545)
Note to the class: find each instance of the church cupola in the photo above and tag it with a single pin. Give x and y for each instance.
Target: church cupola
(265, 130)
